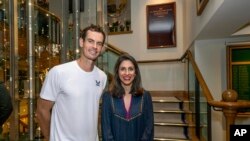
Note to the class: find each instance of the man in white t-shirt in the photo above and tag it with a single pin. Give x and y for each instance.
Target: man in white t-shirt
(67, 109)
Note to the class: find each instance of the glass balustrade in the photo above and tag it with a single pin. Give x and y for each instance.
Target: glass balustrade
(199, 106)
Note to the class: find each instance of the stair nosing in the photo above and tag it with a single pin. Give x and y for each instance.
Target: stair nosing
(169, 111)
(173, 111)
(169, 139)
(170, 124)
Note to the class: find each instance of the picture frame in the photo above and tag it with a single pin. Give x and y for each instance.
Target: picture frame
(161, 25)
(201, 4)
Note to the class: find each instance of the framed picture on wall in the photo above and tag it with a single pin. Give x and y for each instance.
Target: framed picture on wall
(161, 25)
(201, 4)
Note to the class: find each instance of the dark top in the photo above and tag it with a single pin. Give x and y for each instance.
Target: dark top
(135, 125)
(5, 104)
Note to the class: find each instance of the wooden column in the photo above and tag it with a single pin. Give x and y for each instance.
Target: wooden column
(229, 112)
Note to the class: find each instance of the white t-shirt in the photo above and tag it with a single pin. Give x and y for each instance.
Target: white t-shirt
(76, 94)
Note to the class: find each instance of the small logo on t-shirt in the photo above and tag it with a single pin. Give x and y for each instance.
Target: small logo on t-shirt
(97, 83)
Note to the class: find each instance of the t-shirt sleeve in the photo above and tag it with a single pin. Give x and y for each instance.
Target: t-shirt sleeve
(104, 81)
(50, 88)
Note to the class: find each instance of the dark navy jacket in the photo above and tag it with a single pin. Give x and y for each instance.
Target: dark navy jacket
(139, 126)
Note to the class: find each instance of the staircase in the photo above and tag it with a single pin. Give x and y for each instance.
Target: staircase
(172, 117)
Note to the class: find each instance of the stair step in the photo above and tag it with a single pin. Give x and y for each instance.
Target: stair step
(169, 117)
(165, 99)
(170, 124)
(170, 139)
(171, 111)
(166, 106)
(170, 130)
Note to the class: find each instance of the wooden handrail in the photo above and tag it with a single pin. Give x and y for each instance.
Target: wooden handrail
(164, 60)
(47, 12)
(114, 49)
(232, 105)
(118, 51)
(158, 61)
(198, 74)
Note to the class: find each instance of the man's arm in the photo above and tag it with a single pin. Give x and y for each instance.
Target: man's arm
(44, 116)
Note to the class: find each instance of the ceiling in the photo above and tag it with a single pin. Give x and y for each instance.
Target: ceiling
(232, 18)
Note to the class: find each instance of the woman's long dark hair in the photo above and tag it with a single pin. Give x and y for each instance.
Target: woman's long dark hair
(116, 88)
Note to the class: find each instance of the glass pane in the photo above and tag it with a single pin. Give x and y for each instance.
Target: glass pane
(203, 116)
(4, 55)
(240, 55)
(191, 87)
(198, 106)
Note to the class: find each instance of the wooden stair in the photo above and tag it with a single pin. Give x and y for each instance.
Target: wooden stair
(172, 118)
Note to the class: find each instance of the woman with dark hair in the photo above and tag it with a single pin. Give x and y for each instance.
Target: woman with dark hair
(127, 110)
